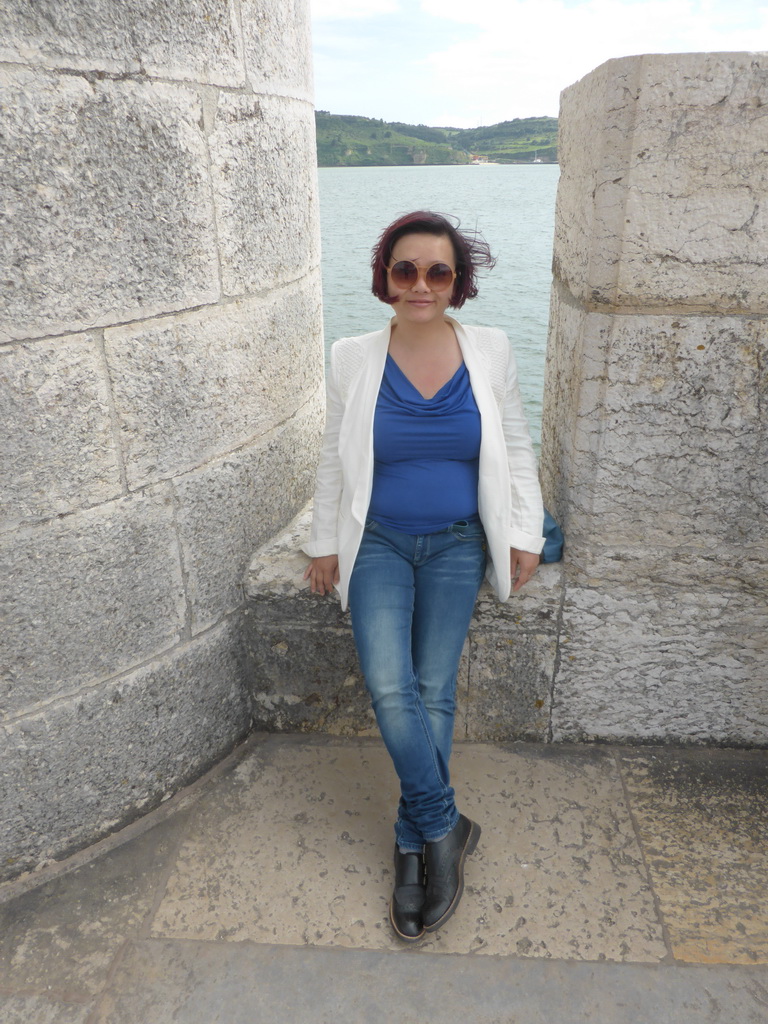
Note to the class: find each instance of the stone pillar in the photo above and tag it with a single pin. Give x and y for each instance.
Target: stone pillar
(160, 388)
(655, 455)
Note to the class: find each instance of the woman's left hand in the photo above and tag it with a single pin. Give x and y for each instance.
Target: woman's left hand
(522, 565)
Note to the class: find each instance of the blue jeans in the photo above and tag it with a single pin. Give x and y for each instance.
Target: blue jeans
(411, 600)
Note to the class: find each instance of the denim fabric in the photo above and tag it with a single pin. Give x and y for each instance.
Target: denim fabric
(411, 600)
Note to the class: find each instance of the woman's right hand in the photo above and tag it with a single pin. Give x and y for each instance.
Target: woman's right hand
(322, 573)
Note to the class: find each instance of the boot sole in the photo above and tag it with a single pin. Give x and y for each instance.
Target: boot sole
(469, 848)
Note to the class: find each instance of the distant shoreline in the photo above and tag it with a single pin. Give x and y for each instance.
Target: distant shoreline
(346, 140)
(489, 163)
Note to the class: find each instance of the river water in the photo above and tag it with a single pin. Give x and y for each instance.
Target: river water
(513, 207)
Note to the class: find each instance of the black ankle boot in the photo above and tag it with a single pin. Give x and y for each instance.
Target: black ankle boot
(445, 871)
(408, 897)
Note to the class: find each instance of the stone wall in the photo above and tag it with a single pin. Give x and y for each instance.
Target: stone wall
(160, 388)
(655, 451)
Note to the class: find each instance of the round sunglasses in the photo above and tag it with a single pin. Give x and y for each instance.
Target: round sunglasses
(438, 276)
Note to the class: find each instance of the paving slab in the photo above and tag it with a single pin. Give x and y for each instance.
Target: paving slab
(702, 817)
(165, 982)
(295, 847)
(61, 939)
(32, 1009)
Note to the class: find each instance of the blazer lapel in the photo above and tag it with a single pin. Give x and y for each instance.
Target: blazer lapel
(357, 426)
(493, 489)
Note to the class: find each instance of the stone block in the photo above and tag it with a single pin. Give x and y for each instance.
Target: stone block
(59, 448)
(146, 733)
(658, 458)
(572, 385)
(702, 818)
(302, 665)
(304, 679)
(64, 934)
(512, 653)
(42, 1010)
(192, 387)
(196, 41)
(278, 47)
(667, 665)
(510, 682)
(535, 608)
(289, 601)
(303, 670)
(233, 505)
(661, 203)
(263, 164)
(88, 596)
(108, 209)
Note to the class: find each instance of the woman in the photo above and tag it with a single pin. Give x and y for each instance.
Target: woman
(427, 480)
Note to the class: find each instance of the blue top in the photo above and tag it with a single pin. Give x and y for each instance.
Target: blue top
(426, 453)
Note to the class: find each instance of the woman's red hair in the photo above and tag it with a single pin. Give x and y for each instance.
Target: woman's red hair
(471, 252)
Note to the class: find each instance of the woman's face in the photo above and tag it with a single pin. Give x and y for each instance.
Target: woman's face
(419, 303)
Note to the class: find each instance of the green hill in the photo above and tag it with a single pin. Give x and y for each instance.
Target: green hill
(520, 141)
(347, 140)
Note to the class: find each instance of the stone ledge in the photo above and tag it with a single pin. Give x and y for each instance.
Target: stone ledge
(571, 659)
(302, 668)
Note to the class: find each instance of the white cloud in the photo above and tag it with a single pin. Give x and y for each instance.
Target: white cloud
(678, 17)
(337, 10)
(528, 51)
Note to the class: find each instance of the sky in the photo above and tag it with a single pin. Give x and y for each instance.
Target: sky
(466, 63)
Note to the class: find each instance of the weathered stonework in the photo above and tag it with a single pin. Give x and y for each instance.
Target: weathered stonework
(89, 762)
(197, 42)
(671, 151)
(300, 654)
(228, 509)
(644, 662)
(659, 426)
(111, 216)
(88, 596)
(655, 444)
(263, 165)
(512, 653)
(245, 361)
(304, 671)
(278, 56)
(160, 366)
(59, 453)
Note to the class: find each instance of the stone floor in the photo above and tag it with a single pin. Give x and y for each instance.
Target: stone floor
(611, 885)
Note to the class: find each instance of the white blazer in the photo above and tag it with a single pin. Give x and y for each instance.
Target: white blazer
(509, 497)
